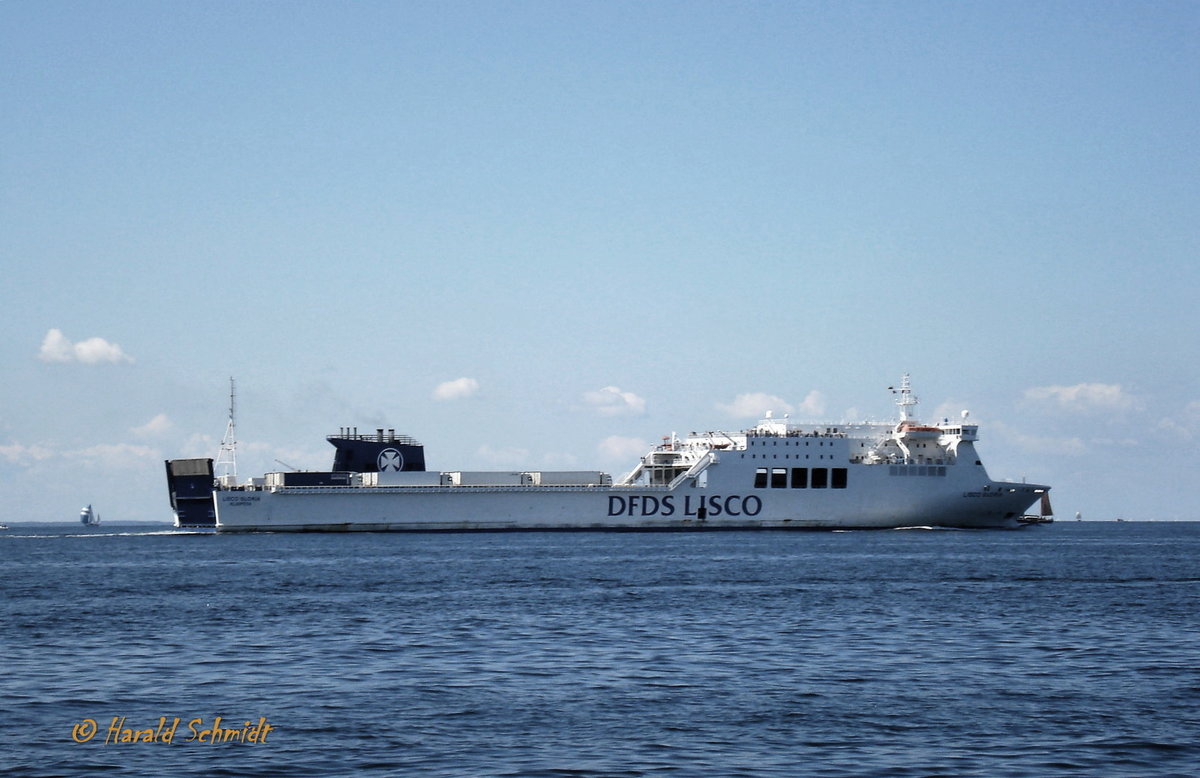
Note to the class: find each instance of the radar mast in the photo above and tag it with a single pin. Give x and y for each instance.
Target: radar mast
(225, 466)
(906, 400)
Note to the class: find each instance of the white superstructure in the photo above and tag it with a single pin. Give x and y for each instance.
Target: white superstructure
(776, 475)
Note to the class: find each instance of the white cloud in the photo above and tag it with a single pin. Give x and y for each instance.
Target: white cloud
(96, 350)
(56, 348)
(199, 445)
(754, 405)
(458, 389)
(113, 454)
(1083, 398)
(1186, 424)
(611, 401)
(617, 447)
(19, 454)
(503, 457)
(156, 426)
(951, 410)
(559, 461)
(1043, 444)
(93, 351)
(813, 404)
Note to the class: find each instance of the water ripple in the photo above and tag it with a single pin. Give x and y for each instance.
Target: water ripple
(1063, 650)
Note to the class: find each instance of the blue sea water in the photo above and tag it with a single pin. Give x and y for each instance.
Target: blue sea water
(1070, 649)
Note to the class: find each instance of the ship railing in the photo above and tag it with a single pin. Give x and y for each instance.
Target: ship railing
(832, 432)
(379, 436)
(452, 488)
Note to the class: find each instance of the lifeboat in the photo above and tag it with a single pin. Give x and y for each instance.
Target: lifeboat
(911, 430)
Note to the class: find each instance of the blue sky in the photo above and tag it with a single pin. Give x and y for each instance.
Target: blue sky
(544, 234)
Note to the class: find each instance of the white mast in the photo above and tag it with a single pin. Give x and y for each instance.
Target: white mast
(225, 466)
(907, 400)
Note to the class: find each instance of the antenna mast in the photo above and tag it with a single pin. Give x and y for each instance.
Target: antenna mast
(225, 466)
(907, 400)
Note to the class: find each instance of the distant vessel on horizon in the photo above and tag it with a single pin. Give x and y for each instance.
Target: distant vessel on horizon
(1045, 517)
(88, 517)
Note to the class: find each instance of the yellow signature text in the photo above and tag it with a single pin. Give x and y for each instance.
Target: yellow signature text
(166, 730)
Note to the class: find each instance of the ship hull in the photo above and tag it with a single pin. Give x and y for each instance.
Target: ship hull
(883, 505)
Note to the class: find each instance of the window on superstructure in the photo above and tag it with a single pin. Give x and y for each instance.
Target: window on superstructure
(799, 477)
(779, 478)
(838, 480)
(760, 478)
(820, 478)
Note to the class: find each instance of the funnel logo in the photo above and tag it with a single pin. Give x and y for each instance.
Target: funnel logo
(390, 460)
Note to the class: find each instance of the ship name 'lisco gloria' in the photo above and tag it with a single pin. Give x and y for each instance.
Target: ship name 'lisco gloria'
(775, 475)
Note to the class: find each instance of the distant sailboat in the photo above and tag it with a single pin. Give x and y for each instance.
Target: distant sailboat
(1047, 516)
(89, 517)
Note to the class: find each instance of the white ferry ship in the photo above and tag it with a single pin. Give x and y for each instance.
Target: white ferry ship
(776, 475)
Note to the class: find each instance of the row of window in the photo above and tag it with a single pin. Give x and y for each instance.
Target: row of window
(916, 470)
(800, 478)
